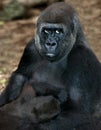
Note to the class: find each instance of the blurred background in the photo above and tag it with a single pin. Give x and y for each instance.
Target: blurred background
(17, 28)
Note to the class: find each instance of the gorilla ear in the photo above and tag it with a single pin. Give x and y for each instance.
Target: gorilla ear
(74, 28)
(75, 25)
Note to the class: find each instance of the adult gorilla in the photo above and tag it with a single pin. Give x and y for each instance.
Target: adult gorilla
(58, 62)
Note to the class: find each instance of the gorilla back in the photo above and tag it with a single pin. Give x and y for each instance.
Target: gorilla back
(58, 62)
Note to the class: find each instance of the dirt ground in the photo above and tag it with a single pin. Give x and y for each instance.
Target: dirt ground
(14, 35)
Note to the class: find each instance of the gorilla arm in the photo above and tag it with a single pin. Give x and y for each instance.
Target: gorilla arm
(84, 77)
(18, 77)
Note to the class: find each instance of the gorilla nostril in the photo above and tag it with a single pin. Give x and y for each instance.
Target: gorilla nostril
(51, 44)
(48, 44)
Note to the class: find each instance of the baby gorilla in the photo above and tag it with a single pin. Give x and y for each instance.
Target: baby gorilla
(40, 113)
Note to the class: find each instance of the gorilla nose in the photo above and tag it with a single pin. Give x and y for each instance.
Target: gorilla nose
(51, 45)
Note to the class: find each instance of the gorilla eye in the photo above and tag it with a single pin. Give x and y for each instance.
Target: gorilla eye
(45, 31)
(59, 31)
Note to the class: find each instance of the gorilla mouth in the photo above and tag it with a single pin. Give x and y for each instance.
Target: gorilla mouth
(50, 54)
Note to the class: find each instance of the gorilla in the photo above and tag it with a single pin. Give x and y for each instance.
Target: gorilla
(58, 62)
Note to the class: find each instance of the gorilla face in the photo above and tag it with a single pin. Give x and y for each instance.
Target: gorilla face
(52, 37)
(54, 40)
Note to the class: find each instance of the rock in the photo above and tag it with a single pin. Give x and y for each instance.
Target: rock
(12, 10)
(36, 2)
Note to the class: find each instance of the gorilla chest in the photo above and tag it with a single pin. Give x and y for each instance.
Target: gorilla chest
(49, 73)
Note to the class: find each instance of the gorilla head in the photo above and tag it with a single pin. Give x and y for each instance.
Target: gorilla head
(56, 31)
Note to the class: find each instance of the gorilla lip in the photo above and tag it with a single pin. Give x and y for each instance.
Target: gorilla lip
(50, 54)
